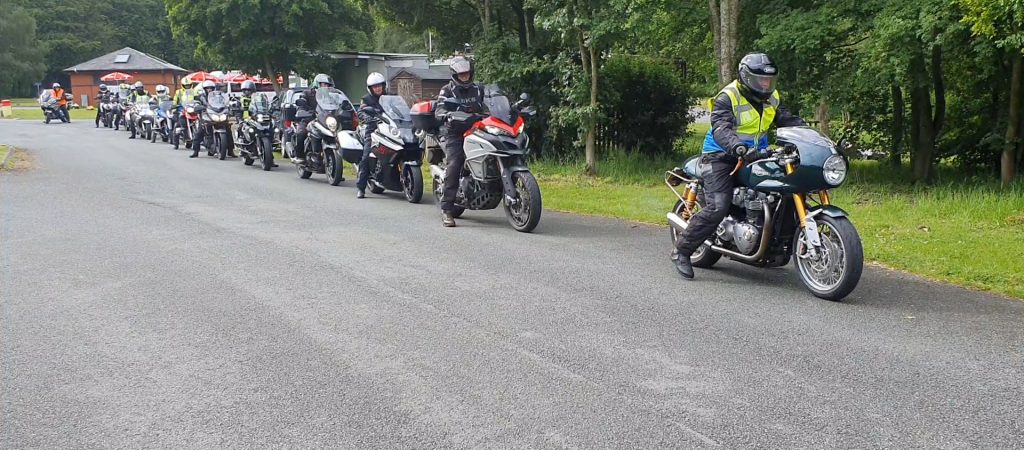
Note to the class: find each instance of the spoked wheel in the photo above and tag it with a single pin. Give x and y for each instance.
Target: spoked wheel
(267, 150)
(333, 168)
(524, 212)
(834, 270)
(704, 257)
(412, 183)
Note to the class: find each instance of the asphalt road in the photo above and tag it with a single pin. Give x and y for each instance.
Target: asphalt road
(152, 300)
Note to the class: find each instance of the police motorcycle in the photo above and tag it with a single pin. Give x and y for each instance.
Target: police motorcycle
(496, 171)
(255, 140)
(142, 116)
(395, 151)
(781, 210)
(164, 119)
(334, 116)
(215, 118)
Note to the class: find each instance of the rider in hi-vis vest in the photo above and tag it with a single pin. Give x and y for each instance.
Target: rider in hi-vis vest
(741, 115)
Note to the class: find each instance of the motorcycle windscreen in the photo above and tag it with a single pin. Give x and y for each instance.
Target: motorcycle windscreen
(498, 105)
(398, 111)
(259, 105)
(218, 101)
(166, 105)
(330, 100)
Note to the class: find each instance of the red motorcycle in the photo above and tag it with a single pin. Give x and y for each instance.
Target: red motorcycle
(191, 118)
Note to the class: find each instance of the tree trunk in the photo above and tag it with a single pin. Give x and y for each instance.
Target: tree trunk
(898, 114)
(821, 114)
(730, 17)
(923, 131)
(272, 76)
(531, 31)
(592, 119)
(940, 91)
(716, 33)
(517, 9)
(1007, 166)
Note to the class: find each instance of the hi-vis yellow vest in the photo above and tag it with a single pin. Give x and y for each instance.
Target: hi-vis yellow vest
(750, 126)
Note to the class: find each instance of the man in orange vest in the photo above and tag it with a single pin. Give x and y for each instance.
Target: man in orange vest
(62, 103)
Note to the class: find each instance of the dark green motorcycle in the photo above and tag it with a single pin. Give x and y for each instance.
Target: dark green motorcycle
(781, 209)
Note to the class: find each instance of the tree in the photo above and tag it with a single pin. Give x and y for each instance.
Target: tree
(20, 55)
(1002, 21)
(268, 36)
(725, 19)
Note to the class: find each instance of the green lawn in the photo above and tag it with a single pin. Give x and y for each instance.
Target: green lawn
(970, 235)
(3, 154)
(37, 114)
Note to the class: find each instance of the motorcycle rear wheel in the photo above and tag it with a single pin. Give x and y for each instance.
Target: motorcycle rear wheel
(703, 257)
(439, 192)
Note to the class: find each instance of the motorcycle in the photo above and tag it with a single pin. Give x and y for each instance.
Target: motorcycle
(334, 114)
(495, 171)
(184, 134)
(164, 119)
(121, 109)
(51, 111)
(781, 210)
(142, 118)
(395, 153)
(107, 111)
(255, 140)
(215, 118)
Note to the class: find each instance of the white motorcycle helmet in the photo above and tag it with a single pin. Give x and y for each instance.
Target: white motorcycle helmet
(209, 85)
(376, 78)
(161, 89)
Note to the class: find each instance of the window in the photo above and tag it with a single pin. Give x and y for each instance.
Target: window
(122, 58)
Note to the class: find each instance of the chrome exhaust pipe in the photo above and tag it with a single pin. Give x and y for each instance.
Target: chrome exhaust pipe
(676, 222)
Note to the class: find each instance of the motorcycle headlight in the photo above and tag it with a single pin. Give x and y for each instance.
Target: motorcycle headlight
(496, 131)
(261, 117)
(332, 123)
(190, 110)
(834, 170)
(396, 132)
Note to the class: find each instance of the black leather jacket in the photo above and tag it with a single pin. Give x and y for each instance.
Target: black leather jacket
(469, 97)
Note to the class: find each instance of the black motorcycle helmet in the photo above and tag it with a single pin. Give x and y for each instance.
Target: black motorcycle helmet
(459, 65)
(758, 75)
(248, 87)
(103, 88)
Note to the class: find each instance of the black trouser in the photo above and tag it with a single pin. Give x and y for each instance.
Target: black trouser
(364, 162)
(716, 173)
(99, 113)
(300, 138)
(64, 115)
(455, 157)
(197, 140)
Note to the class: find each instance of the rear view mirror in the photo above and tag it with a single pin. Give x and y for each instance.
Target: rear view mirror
(301, 102)
(525, 98)
(528, 111)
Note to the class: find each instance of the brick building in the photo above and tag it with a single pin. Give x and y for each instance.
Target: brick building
(150, 70)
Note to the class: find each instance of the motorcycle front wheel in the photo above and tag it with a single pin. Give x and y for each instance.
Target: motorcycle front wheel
(267, 153)
(834, 271)
(524, 214)
(412, 184)
(222, 146)
(333, 167)
(150, 134)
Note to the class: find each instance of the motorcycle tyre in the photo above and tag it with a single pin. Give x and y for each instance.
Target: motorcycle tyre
(536, 206)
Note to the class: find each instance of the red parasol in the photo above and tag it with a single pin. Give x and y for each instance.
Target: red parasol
(236, 78)
(116, 76)
(198, 77)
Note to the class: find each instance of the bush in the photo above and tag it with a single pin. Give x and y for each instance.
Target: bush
(644, 104)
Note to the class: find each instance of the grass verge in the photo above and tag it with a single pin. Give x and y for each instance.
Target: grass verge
(962, 232)
(37, 114)
(17, 161)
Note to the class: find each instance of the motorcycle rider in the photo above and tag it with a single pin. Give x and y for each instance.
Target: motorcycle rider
(742, 114)
(103, 96)
(57, 93)
(369, 113)
(203, 102)
(122, 112)
(321, 81)
(469, 96)
(138, 90)
(248, 88)
(183, 96)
